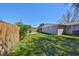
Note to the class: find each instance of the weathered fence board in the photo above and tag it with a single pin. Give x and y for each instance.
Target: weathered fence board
(9, 36)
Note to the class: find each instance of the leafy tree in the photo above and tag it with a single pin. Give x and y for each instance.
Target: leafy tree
(23, 29)
(40, 25)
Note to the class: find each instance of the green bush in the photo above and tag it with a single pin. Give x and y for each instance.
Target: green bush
(23, 29)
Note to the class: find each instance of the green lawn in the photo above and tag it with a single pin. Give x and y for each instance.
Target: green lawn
(47, 45)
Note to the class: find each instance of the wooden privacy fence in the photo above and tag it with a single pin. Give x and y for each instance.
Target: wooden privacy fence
(9, 37)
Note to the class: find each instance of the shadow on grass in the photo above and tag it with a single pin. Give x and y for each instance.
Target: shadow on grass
(48, 46)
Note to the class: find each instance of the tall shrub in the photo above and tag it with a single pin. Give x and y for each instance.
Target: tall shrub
(23, 29)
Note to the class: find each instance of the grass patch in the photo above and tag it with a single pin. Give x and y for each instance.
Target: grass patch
(70, 36)
(47, 45)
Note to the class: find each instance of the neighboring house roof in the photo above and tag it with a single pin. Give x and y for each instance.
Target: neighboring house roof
(71, 23)
(47, 25)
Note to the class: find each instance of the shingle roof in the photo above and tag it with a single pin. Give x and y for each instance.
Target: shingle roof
(71, 23)
(47, 25)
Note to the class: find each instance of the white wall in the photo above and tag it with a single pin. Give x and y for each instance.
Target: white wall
(50, 29)
(69, 30)
(60, 31)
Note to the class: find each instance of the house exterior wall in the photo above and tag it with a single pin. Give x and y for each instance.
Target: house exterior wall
(50, 29)
(61, 29)
(70, 29)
